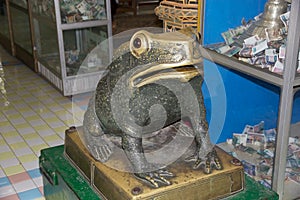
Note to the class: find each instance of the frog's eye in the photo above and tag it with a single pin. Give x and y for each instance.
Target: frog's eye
(139, 44)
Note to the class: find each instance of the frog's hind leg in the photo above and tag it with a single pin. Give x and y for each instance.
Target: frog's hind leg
(93, 136)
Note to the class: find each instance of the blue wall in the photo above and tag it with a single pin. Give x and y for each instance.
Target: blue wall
(247, 100)
(296, 108)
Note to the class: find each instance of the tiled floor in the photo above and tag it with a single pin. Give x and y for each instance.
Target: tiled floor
(33, 116)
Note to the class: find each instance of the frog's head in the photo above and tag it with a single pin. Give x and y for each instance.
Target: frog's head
(169, 55)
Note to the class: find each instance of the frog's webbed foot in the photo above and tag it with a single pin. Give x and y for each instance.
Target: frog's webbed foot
(156, 178)
(93, 136)
(208, 163)
(100, 149)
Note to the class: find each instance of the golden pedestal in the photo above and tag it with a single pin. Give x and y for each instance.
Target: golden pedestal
(187, 184)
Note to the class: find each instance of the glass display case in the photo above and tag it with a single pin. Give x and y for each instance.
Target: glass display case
(20, 3)
(72, 42)
(21, 27)
(5, 30)
(21, 32)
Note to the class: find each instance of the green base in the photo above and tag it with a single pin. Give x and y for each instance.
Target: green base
(63, 181)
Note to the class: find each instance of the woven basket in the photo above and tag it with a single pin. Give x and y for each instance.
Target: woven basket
(178, 14)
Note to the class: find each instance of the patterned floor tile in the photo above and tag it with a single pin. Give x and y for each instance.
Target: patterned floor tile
(33, 116)
(13, 140)
(14, 179)
(38, 181)
(7, 191)
(16, 169)
(30, 165)
(2, 174)
(18, 145)
(10, 197)
(24, 185)
(31, 194)
(10, 162)
(23, 151)
(4, 148)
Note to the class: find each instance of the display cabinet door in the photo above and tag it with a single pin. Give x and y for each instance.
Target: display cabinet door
(5, 31)
(22, 32)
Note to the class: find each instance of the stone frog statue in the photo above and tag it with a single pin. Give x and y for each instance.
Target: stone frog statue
(151, 69)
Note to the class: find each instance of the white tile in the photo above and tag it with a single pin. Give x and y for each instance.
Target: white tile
(10, 112)
(38, 106)
(24, 186)
(37, 153)
(23, 151)
(28, 113)
(12, 96)
(55, 143)
(27, 130)
(3, 118)
(6, 191)
(4, 148)
(2, 174)
(64, 101)
(13, 140)
(48, 101)
(30, 99)
(22, 92)
(62, 135)
(31, 165)
(39, 93)
(38, 181)
(20, 120)
(66, 116)
(77, 109)
(46, 132)
(20, 105)
(56, 108)
(30, 86)
(9, 162)
(35, 141)
(37, 122)
(47, 115)
(56, 124)
(6, 129)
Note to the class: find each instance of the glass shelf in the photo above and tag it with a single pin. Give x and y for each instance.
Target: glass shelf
(240, 66)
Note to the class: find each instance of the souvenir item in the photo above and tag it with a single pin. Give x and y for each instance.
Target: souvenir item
(267, 31)
(142, 75)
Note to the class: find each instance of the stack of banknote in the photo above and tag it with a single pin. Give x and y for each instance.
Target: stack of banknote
(255, 147)
(267, 52)
(82, 10)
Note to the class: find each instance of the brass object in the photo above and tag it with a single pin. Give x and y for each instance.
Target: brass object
(270, 19)
(153, 82)
(188, 184)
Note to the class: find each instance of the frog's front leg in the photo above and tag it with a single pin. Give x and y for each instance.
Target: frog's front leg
(205, 154)
(133, 149)
(93, 136)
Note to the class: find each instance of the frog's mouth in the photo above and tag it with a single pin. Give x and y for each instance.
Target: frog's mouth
(155, 72)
